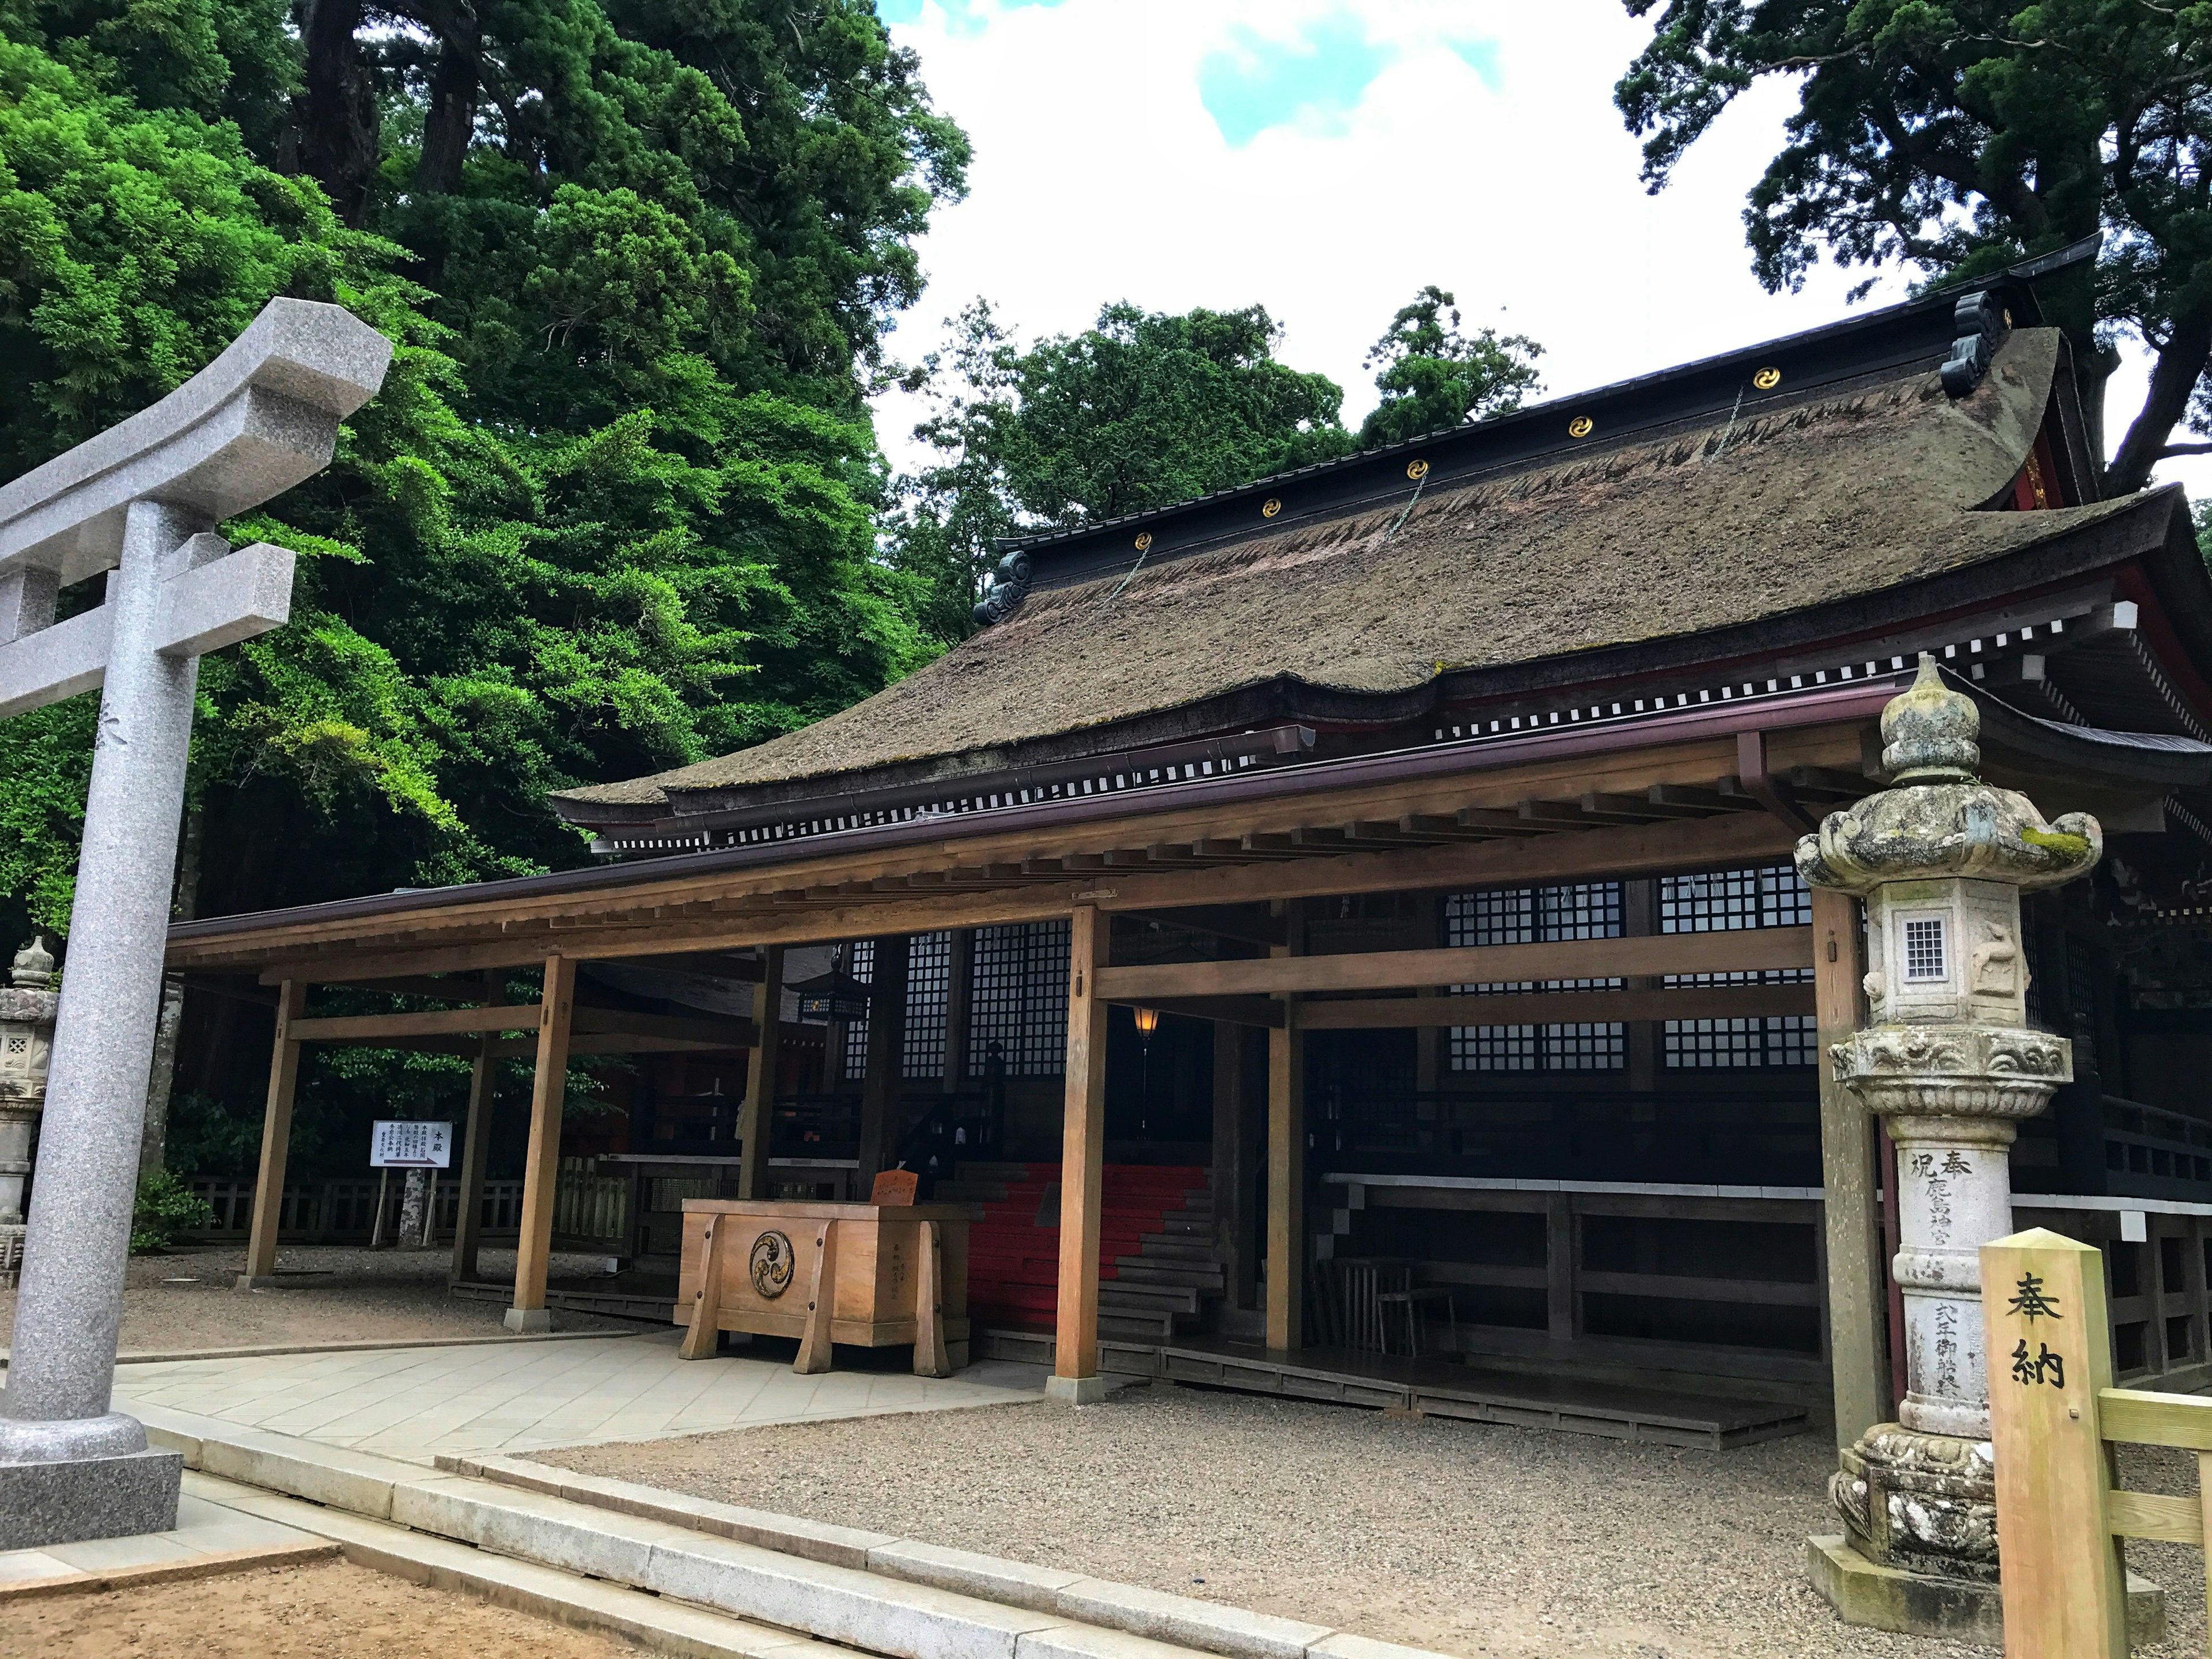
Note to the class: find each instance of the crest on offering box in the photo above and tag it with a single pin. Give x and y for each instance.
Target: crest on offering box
(771, 1264)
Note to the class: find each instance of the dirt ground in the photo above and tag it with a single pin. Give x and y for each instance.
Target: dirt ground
(183, 1301)
(1463, 1538)
(328, 1611)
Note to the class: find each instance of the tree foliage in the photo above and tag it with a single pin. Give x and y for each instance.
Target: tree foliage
(613, 510)
(1432, 377)
(1140, 411)
(1954, 137)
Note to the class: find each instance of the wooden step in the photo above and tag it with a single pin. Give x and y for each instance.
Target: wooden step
(1146, 1299)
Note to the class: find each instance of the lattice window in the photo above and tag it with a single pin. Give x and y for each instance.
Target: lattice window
(1731, 901)
(860, 963)
(1763, 1043)
(1018, 998)
(1532, 916)
(928, 988)
(1924, 957)
(1723, 901)
(2080, 1006)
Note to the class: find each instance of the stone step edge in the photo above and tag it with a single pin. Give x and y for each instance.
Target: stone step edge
(1184, 1621)
(829, 1611)
(165, 1573)
(661, 1623)
(980, 1593)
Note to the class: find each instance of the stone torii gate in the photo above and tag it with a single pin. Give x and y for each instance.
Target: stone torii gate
(139, 502)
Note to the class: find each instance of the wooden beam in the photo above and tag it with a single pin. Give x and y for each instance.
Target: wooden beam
(1082, 1163)
(276, 1139)
(1694, 764)
(1552, 1007)
(1741, 837)
(1247, 925)
(476, 1146)
(556, 1008)
(1478, 965)
(1858, 1308)
(1773, 793)
(426, 1022)
(755, 1117)
(1287, 1157)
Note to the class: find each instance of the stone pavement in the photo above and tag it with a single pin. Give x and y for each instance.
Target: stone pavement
(415, 1403)
(207, 1535)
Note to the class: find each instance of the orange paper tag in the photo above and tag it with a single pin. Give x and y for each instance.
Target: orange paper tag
(894, 1188)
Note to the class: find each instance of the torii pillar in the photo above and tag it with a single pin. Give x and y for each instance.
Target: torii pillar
(140, 501)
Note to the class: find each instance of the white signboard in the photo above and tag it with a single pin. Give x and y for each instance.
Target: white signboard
(400, 1143)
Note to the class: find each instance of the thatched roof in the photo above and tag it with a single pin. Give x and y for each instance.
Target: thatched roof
(1843, 492)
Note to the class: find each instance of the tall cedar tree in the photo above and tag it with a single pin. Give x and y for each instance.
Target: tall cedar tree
(613, 510)
(1433, 378)
(1954, 137)
(1141, 410)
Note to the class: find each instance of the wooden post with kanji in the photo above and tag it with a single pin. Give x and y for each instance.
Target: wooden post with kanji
(2043, 1301)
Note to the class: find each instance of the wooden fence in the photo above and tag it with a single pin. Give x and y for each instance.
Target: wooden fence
(344, 1211)
(2055, 1417)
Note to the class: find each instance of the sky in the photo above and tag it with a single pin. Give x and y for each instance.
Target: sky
(1327, 160)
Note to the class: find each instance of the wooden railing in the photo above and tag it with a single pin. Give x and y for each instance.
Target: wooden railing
(344, 1211)
(2055, 1417)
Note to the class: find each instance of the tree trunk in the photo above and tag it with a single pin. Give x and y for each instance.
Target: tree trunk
(451, 121)
(336, 117)
(2172, 381)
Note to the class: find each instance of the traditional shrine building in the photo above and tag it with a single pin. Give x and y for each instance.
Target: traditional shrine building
(1353, 914)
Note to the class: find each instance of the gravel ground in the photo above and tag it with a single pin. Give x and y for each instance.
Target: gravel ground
(329, 1611)
(1460, 1537)
(183, 1301)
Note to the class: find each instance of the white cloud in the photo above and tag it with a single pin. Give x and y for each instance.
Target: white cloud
(1485, 155)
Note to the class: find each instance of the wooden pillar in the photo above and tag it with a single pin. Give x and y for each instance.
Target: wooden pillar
(959, 983)
(881, 1084)
(276, 1139)
(1287, 1157)
(557, 1009)
(1858, 1332)
(1083, 1155)
(757, 1117)
(1562, 1268)
(476, 1144)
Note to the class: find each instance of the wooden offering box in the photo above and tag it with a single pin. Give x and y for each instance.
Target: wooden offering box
(874, 1275)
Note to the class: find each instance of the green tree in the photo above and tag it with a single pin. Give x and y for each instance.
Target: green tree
(613, 510)
(1141, 410)
(1954, 137)
(1433, 378)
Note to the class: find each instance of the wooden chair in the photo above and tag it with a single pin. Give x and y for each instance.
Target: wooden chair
(1411, 1300)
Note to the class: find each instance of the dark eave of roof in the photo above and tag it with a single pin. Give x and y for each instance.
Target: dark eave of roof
(1917, 332)
(2120, 760)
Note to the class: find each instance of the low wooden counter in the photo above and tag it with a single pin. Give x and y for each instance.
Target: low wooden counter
(874, 1275)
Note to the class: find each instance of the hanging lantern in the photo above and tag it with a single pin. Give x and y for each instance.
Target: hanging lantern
(832, 998)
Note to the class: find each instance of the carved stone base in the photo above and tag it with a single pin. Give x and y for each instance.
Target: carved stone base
(1878, 1597)
(1923, 1503)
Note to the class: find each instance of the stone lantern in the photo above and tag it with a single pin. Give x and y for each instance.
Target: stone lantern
(27, 1030)
(1950, 1064)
